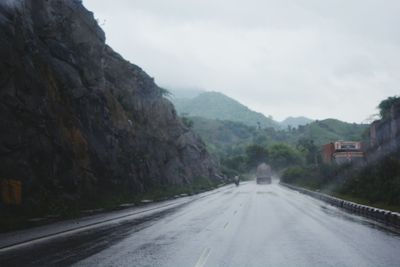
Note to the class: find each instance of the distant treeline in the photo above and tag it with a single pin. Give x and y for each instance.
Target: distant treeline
(239, 148)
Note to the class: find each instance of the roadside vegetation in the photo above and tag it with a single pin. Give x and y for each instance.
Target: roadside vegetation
(375, 183)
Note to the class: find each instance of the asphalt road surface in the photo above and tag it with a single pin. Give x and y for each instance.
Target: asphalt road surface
(251, 225)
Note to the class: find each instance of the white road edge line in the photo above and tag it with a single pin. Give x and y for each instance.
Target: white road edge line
(80, 229)
(34, 240)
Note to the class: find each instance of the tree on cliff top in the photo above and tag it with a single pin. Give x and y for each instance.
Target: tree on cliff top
(386, 105)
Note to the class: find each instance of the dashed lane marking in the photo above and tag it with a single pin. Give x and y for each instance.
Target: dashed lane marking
(203, 257)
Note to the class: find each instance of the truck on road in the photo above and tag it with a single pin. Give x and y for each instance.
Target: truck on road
(264, 174)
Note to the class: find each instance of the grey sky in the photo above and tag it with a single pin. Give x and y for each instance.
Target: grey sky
(317, 58)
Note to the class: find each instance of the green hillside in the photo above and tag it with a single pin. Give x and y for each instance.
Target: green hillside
(227, 137)
(329, 130)
(223, 132)
(214, 105)
(234, 144)
(295, 121)
(223, 137)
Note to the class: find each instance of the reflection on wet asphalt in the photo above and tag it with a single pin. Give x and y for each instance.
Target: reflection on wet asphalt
(67, 250)
(251, 225)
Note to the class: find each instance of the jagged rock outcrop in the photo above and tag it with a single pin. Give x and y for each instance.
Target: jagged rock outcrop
(385, 133)
(75, 117)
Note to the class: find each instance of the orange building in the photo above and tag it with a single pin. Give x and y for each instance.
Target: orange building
(342, 152)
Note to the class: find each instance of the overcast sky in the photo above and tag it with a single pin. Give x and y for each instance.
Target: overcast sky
(320, 59)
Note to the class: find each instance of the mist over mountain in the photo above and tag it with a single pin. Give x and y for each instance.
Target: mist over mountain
(215, 105)
(185, 93)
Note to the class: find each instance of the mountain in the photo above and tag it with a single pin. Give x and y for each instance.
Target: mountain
(329, 130)
(214, 105)
(77, 120)
(224, 137)
(180, 93)
(230, 142)
(295, 122)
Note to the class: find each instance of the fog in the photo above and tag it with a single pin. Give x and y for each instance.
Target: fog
(313, 58)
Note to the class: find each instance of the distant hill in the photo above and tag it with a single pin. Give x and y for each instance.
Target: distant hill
(329, 130)
(224, 132)
(295, 122)
(224, 123)
(185, 93)
(214, 105)
(224, 137)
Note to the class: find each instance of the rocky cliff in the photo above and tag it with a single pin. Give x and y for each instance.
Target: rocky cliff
(77, 119)
(385, 133)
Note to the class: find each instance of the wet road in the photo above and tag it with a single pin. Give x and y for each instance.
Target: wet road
(252, 225)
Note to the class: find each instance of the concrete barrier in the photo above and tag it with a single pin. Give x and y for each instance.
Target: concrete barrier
(388, 217)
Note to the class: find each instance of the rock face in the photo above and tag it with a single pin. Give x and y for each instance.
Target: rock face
(385, 133)
(76, 118)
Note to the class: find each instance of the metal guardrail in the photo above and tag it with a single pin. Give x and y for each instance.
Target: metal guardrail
(388, 217)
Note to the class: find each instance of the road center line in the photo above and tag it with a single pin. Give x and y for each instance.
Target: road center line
(203, 257)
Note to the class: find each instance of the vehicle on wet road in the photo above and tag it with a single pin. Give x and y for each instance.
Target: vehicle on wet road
(264, 174)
